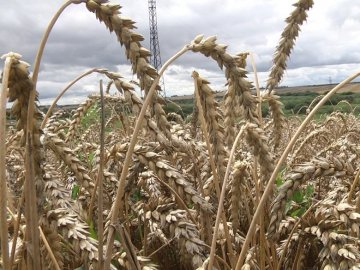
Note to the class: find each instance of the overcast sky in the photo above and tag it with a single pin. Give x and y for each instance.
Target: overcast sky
(328, 46)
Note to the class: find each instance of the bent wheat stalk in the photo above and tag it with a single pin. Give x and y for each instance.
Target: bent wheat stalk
(3, 187)
(283, 157)
(34, 259)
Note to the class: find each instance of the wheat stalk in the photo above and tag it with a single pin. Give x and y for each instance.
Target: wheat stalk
(3, 187)
(20, 91)
(54, 261)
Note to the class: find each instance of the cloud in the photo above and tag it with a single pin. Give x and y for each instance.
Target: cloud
(327, 45)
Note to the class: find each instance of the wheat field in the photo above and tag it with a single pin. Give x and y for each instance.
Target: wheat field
(121, 184)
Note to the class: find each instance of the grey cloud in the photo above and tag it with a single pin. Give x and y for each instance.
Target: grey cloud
(330, 37)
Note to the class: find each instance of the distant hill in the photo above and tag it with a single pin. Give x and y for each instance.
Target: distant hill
(320, 89)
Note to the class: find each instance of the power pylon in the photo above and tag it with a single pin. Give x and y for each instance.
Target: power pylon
(155, 58)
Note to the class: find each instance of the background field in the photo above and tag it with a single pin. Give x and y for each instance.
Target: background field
(295, 100)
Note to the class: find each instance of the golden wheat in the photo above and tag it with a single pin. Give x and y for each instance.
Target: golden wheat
(164, 174)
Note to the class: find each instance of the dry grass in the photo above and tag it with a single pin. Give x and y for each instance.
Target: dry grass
(169, 193)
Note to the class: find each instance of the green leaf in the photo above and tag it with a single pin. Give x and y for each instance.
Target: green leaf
(93, 233)
(75, 192)
(279, 181)
(287, 206)
(136, 195)
(298, 212)
(91, 157)
(298, 197)
(309, 191)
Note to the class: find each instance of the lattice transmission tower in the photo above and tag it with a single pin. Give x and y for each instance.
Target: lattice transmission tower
(155, 58)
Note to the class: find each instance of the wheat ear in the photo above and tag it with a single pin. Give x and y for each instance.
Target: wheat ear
(233, 73)
(229, 113)
(238, 176)
(283, 50)
(64, 153)
(282, 159)
(123, 28)
(277, 115)
(287, 42)
(198, 84)
(256, 138)
(213, 119)
(300, 174)
(168, 174)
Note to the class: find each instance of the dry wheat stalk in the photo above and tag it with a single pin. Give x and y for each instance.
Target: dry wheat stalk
(20, 91)
(3, 186)
(6, 84)
(53, 259)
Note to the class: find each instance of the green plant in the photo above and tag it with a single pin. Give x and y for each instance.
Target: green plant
(91, 116)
